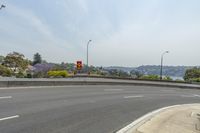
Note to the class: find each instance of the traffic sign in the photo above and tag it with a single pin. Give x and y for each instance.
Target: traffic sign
(79, 65)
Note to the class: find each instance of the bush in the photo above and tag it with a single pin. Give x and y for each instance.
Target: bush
(150, 77)
(195, 79)
(57, 74)
(167, 78)
(40, 74)
(193, 73)
(20, 74)
(179, 80)
(4, 71)
(136, 74)
(28, 75)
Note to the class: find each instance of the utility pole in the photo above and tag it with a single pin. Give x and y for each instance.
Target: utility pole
(88, 55)
(161, 66)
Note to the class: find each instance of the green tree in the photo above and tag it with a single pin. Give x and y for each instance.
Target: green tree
(136, 74)
(16, 61)
(58, 67)
(123, 74)
(1, 59)
(37, 59)
(70, 66)
(193, 73)
(4, 71)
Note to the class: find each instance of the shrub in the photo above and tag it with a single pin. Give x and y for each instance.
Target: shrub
(40, 74)
(4, 71)
(28, 75)
(150, 77)
(179, 80)
(195, 79)
(167, 78)
(193, 73)
(20, 74)
(57, 74)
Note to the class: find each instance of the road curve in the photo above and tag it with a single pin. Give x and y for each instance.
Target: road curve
(83, 109)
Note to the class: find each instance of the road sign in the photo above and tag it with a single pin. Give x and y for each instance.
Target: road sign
(79, 65)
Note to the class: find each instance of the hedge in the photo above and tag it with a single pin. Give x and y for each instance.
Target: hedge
(57, 74)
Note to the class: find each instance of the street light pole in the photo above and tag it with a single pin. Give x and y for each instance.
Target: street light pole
(161, 66)
(2, 6)
(87, 55)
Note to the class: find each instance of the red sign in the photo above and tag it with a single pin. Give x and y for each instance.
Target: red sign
(79, 65)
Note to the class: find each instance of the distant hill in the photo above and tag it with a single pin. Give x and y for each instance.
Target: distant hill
(125, 69)
(173, 71)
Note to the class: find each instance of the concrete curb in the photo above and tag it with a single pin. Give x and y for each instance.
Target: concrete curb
(140, 121)
(20, 83)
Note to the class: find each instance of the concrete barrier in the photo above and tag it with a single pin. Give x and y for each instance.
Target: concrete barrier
(64, 82)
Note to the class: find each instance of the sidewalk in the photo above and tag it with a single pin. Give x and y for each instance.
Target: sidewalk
(176, 119)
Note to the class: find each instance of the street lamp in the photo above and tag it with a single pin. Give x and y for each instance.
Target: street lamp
(2, 6)
(161, 67)
(87, 55)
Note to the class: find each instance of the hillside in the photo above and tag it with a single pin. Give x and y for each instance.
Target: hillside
(173, 71)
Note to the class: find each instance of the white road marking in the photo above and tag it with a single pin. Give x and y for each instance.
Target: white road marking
(136, 96)
(6, 97)
(194, 95)
(10, 117)
(168, 90)
(187, 96)
(113, 89)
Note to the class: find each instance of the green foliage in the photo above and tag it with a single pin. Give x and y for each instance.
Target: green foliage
(195, 79)
(4, 71)
(20, 74)
(123, 74)
(114, 72)
(179, 80)
(58, 74)
(193, 73)
(16, 60)
(118, 73)
(1, 59)
(136, 74)
(40, 74)
(58, 67)
(167, 78)
(28, 75)
(150, 77)
(70, 67)
(37, 59)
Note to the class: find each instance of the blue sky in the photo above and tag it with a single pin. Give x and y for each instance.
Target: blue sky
(123, 32)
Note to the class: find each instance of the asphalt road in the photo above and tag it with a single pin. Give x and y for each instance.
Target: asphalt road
(83, 109)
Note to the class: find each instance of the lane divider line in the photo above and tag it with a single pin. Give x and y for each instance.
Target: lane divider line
(8, 118)
(6, 97)
(136, 96)
(113, 89)
(195, 95)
